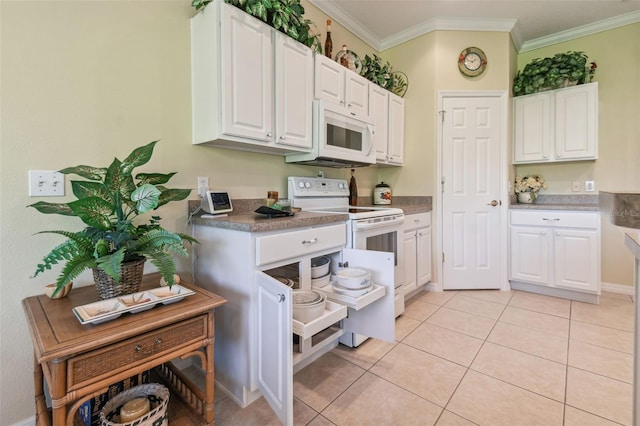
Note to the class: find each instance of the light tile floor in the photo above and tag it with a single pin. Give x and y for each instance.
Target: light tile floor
(473, 358)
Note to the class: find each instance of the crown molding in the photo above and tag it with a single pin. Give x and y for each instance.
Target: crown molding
(470, 24)
(582, 31)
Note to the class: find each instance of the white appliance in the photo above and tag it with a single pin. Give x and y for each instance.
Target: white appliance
(368, 228)
(340, 138)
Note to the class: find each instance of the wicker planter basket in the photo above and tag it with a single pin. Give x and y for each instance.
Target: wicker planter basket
(158, 396)
(130, 279)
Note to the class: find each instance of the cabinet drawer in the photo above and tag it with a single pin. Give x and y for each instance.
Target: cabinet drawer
(418, 220)
(132, 352)
(287, 245)
(556, 218)
(333, 312)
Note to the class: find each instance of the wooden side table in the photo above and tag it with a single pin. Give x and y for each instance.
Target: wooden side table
(79, 361)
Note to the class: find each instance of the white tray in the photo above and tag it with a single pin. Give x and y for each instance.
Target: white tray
(109, 309)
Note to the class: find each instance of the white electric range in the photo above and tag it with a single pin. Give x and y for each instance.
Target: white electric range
(368, 228)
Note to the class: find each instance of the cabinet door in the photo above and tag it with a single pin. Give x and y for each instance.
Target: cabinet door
(576, 122)
(396, 129)
(356, 94)
(377, 319)
(275, 345)
(410, 262)
(532, 128)
(247, 76)
(379, 113)
(530, 251)
(423, 245)
(294, 86)
(329, 80)
(576, 259)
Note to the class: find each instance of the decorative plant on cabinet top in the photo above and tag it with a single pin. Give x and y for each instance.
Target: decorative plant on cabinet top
(108, 202)
(381, 73)
(561, 70)
(285, 16)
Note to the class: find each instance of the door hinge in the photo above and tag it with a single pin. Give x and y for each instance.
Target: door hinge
(442, 257)
(442, 179)
(442, 113)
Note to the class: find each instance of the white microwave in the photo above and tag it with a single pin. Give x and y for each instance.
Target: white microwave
(340, 138)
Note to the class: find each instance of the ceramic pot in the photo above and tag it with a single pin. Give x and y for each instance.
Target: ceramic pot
(527, 197)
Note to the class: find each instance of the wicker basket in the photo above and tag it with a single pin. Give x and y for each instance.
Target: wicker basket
(158, 396)
(130, 279)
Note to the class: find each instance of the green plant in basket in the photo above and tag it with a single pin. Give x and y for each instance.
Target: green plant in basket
(108, 201)
(551, 73)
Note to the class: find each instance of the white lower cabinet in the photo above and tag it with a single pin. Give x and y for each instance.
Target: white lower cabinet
(556, 252)
(259, 346)
(417, 252)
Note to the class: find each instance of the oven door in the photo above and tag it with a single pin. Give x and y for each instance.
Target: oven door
(383, 236)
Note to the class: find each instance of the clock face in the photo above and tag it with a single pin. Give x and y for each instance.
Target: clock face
(472, 62)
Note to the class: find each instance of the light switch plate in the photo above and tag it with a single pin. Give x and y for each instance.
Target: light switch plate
(589, 186)
(46, 183)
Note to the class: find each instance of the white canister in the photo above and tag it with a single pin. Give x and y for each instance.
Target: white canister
(382, 194)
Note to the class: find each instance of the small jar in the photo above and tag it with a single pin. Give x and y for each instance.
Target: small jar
(382, 194)
(272, 198)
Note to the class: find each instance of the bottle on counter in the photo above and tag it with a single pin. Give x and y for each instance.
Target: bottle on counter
(353, 190)
(328, 44)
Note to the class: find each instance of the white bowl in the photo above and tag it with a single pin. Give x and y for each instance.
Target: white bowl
(353, 278)
(352, 293)
(320, 266)
(321, 282)
(310, 306)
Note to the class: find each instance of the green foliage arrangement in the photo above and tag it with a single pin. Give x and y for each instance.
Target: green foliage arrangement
(108, 202)
(285, 16)
(381, 73)
(552, 73)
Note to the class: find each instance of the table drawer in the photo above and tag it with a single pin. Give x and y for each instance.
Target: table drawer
(287, 245)
(94, 365)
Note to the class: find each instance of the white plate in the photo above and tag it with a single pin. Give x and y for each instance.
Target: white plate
(348, 292)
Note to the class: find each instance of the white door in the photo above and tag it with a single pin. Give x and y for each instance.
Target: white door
(275, 346)
(472, 129)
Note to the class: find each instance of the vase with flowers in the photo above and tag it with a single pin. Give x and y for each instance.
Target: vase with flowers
(527, 188)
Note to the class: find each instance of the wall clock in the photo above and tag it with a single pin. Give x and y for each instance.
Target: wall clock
(472, 62)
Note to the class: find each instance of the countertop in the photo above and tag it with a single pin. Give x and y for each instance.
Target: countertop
(243, 218)
(560, 202)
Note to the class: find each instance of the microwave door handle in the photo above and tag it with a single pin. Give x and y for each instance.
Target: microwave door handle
(371, 139)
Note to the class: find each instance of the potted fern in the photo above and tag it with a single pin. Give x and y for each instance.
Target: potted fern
(111, 244)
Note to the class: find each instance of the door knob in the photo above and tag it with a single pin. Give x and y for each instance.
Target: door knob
(494, 203)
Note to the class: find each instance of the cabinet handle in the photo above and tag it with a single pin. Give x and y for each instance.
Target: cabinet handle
(543, 233)
(416, 220)
(342, 102)
(558, 234)
(268, 134)
(315, 240)
(158, 341)
(280, 297)
(553, 219)
(282, 138)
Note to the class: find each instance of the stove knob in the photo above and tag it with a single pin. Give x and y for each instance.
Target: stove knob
(300, 184)
(307, 185)
(341, 185)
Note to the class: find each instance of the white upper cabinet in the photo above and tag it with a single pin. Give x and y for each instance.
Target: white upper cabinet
(239, 64)
(557, 125)
(336, 83)
(387, 111)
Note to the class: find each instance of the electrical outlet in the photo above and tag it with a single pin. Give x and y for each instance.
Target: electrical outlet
(46, 183)
(575, 186)
(203, 186)
(589, 186)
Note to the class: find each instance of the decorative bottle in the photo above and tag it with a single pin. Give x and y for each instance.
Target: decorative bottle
(353, 190)
(344, 61)
(328, 44)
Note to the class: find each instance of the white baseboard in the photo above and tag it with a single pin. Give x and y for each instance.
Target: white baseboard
(31, 421)
(617, 288)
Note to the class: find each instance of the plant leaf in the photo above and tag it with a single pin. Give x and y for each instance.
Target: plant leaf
(93, 211)
(83, 189)
(169, 195)
(53, 208)
(112, 264)
(138, 157)
(146, 197)
(154, 178)
(87, 172)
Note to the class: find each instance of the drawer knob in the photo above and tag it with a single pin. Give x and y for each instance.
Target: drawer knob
(315, 240)
(552, 219)
(158, 341)
(281, 297)
(138, 349)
